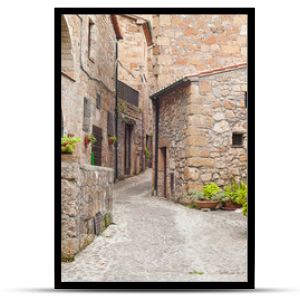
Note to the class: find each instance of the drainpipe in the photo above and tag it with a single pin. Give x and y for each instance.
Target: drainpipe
(156, 145)
(116, 115)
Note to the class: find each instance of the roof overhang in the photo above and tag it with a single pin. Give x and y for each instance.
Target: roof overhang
(179, 83)
(116, 27)
(146, 24)
(196, 77)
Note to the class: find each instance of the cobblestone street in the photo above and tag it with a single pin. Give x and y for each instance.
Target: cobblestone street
(154, 239)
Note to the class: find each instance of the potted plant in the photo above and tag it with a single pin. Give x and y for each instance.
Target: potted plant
(68, 144)
(234, 195)
(209, 197)
(112, 139)
(89, 138)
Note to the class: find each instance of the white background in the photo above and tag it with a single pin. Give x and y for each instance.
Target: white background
(27, 149)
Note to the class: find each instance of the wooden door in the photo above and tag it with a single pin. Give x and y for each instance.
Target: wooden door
(164, 158)
(127, 158)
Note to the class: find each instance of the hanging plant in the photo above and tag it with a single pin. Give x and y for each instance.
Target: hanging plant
(68, 144)
(122, 106)
(112, 139)
(89, 138)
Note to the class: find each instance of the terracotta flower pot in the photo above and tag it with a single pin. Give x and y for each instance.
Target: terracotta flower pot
(230, 205)
(86, 141)
(212, 204)
(111, 141)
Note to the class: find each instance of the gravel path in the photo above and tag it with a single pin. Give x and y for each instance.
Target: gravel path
(154, 239)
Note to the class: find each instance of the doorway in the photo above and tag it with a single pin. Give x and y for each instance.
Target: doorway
(148, 156)
(127, 153)
(164, 165)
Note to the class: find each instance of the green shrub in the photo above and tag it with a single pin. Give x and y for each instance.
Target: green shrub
(195, 195)
(245, 209)
(210, 190)
(235, 192)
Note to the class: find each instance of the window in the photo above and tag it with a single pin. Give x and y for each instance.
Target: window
(98, 101)
(91, 40)
(246, 100)
(237, 139)
(127, 93)
(86, 115)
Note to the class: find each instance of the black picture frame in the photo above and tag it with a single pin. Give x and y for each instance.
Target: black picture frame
(158, 286)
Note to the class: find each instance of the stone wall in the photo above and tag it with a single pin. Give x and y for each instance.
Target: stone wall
(86, 192)
(88, 72)
(187, 44)
(215, 112)
(172, 132)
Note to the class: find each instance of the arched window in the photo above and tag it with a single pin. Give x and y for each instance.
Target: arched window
(67, 61)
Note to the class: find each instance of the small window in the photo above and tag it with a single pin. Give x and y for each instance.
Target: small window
(237, 139)
(98, 101)
(86, 115)
(246, 100)
(91, 40)
(110, 123)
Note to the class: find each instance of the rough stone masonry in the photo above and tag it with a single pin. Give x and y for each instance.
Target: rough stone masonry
(86, 198)
(202, 131)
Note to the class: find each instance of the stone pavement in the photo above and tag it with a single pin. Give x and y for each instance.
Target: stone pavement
(154, 239)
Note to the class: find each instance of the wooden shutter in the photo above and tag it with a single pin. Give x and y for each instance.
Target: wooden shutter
(97, 147)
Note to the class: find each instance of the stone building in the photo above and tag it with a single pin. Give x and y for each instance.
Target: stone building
(88, 58)
(201, 131)
(110, 65)
(105, 55)
(134, 107)
(195, 44)
(104, 92)
(88, 82)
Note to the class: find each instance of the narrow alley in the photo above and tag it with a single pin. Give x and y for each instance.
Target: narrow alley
(154, 239)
